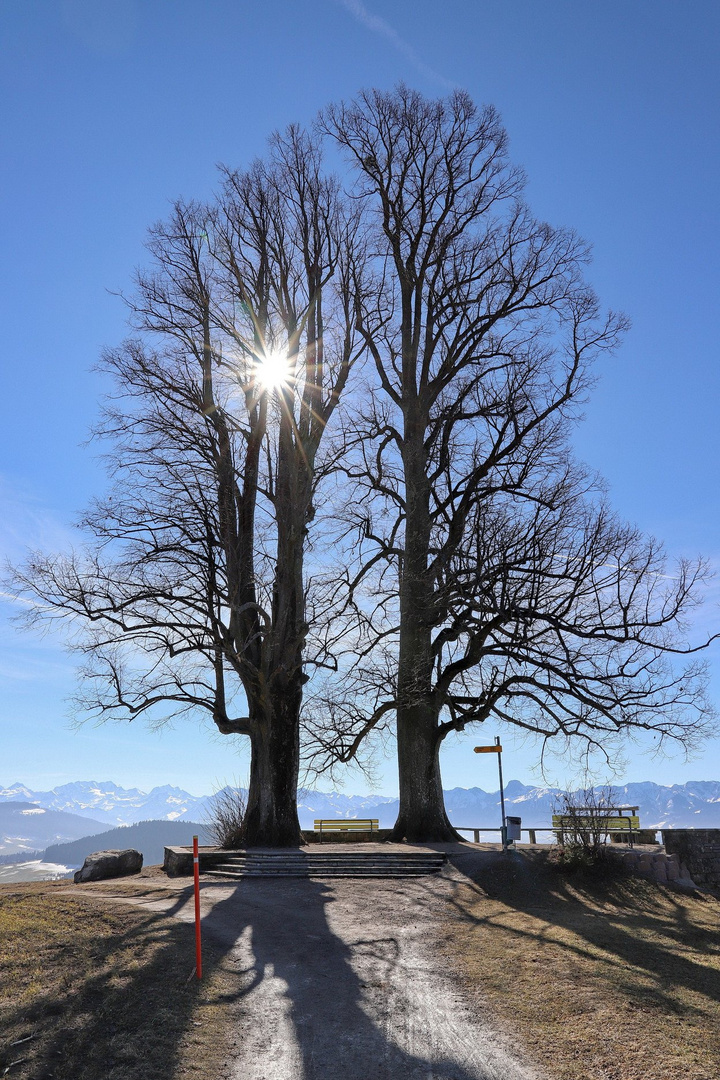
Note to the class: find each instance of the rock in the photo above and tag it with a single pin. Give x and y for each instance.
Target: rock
(109, 864)
(645, 865)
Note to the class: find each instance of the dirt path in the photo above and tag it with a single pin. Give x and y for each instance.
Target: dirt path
(342, 980)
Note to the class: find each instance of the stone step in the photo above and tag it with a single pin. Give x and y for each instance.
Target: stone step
(319, 868)
(409, 856)
(327, 864)
(308, 860)
(247, 868)
(291, 857)
(318, 872)
(178, 860)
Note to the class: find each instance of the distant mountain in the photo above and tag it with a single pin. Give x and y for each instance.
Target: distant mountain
(333, 804)
(692, 805)
(150, 837)
(108, 803)
(695, 804)
(27, 827)
(113, 805)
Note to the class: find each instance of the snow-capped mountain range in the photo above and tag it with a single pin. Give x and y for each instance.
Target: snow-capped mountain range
(695, 804)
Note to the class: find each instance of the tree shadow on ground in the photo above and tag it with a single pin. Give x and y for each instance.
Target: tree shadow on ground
(113, 1003)
(621, 923)
(318, 1020)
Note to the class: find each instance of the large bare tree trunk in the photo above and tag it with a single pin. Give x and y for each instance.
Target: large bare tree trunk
(272, 818)
(421, 815)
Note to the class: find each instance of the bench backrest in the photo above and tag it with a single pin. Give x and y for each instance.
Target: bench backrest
(346, 825)
(606, 823)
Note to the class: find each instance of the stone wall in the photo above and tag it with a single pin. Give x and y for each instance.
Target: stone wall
(655, 865)
(699, 849)
(354, 837)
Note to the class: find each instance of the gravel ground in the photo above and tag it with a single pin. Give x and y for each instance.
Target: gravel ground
(343, 978)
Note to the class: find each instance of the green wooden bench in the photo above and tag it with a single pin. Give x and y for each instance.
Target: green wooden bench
(330, 825)
(603, 819)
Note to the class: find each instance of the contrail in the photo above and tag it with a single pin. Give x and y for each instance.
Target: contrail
(379, 26)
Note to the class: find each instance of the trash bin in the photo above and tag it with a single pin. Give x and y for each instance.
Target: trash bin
(513, 828)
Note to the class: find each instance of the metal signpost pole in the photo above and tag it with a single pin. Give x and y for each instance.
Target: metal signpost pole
(502, 795)
(196, 875)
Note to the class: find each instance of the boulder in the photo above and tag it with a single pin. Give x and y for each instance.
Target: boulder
(645, 866)
(109, 864)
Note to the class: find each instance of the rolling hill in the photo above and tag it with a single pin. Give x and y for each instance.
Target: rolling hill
(27, 827)
(149, 837)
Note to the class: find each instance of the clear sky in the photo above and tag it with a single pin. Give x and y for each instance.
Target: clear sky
(112, 109)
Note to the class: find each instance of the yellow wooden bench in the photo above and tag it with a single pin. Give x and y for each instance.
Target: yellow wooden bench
(610, 822)
(330, 825)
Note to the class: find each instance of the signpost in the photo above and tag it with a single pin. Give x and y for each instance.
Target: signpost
(196, 874)
(496, 748)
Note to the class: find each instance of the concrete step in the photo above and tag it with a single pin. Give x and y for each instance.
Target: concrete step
(330, 860)
(315, 868)
(409, 856)
(327, 864)
(241, 861)
(319, 873)
(333, 858)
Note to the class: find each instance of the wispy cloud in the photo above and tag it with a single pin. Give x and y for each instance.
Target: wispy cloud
(26, 522)
(379, 26)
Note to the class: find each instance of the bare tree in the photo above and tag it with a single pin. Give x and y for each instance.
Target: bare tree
(191, 593)
(516, 594)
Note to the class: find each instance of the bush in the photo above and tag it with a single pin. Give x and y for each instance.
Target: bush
(574, 856)
(585, 833)
(226, 819)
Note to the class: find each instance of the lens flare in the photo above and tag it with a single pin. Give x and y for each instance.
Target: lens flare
(273, 370)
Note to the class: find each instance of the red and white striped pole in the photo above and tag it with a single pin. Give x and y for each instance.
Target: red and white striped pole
(196, 872)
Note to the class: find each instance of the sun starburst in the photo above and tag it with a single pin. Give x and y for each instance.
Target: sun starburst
(273, 370)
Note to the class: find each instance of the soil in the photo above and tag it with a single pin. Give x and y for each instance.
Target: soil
(341, 978)
(500, 967)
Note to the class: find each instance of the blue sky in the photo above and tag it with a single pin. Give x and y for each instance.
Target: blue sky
(112, 109)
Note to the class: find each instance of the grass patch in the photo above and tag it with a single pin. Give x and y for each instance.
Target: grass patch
(93, 991)
(601, 980)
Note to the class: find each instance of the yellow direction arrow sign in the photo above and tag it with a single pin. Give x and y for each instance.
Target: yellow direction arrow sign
(488, 749)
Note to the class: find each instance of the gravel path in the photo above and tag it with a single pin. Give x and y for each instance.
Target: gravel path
(338, 980)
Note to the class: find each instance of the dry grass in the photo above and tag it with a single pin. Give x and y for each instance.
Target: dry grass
(91, 991)
(597, 981)
(601, 981)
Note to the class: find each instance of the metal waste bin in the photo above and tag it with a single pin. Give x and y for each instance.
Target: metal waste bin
(513, 828)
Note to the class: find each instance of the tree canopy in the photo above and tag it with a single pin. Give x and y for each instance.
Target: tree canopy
(340, 444)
